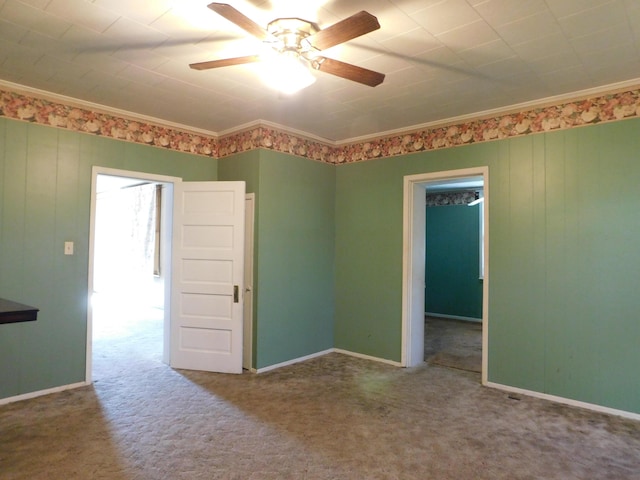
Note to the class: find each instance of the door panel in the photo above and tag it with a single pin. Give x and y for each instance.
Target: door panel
(208, 255)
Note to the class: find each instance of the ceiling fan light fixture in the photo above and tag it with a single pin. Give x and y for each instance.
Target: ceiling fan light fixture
(287, 73)
(298, 42)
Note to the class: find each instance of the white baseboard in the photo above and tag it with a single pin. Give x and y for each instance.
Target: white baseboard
(453, 317)
(40, 393)
(291, 362)
(368, 357)
(566, 401)
(320, 354)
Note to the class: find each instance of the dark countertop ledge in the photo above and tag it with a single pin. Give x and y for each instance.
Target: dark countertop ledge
(12, 312)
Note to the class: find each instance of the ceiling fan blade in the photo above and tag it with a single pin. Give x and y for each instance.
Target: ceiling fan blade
(225, 62)
(227, 11)
(348, 71)
(351, 27)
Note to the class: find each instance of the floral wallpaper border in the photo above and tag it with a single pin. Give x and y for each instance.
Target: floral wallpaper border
(44, 112)
(602, 108)
(443, 199)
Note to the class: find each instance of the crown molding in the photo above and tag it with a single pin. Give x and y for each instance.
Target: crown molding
(275, 126)
(497, 112)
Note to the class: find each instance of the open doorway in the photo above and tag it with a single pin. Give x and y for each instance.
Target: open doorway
(129, 272)
(128, 293)
(454, 270)
(414, 261)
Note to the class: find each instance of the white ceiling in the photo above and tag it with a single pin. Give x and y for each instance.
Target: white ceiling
(443, 58)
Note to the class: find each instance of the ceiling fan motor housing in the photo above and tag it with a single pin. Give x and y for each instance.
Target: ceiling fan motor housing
(290, 34)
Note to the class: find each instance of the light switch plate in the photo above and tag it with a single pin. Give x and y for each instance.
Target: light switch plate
(68, 248)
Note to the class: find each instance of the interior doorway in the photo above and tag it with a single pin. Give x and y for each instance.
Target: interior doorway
(414, 240)
(454, 273)
(129, 271)
(128, 294)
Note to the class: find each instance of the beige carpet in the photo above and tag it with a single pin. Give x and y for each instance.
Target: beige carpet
(461, 362)
(334, 417)
(453, 343)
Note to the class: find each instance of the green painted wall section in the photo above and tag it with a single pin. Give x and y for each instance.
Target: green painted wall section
(296, 262)
(246, 167)
(45, 189)
(294, 253)
(243, 166)
(368, 259)
(369, 246)
(563, 259)
(452, 266)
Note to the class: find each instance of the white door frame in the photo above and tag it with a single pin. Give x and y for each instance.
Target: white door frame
(247, 336)
(167, 223)
(413, 263)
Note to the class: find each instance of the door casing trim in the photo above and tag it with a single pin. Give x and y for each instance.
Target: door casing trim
(413, 265)
(167, 223)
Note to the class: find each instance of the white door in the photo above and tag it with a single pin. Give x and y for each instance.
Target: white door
(207, 284)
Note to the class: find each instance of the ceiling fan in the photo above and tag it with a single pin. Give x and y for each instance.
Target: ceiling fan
(302, 41)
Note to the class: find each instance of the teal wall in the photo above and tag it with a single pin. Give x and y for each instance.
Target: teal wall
(294, 253)
(452, 261)
(564, 257)
(45, 187)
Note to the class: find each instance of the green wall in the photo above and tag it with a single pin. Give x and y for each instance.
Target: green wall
(294, 253)
(563, 259)
(369, 258)
(452, 267)
(563, 253)
(45, 182)
(246, 167)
